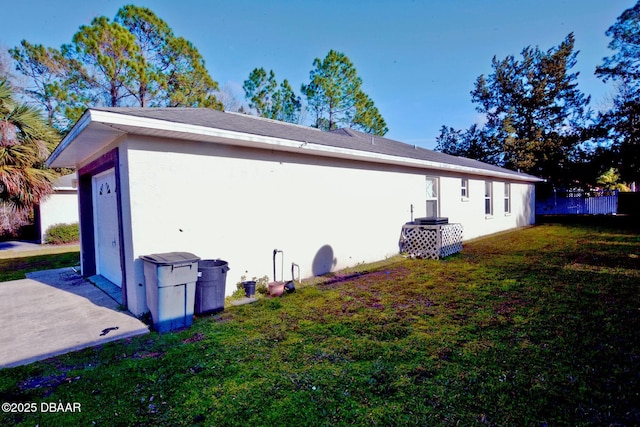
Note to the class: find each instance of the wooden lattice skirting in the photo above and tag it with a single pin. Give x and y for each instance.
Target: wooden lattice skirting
(431, 241)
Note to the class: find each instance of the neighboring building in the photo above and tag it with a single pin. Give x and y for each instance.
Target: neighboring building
(236, 187)
(61, 207)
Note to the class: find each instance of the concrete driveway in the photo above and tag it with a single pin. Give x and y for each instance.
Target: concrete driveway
(54, 312)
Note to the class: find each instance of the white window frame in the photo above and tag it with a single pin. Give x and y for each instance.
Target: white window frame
(434, 195)
(488, 199)
(464, 189)
(507, 198)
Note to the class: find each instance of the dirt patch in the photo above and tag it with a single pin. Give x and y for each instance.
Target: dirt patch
(413, 301)
(194, 338)
(47, 384)
(629, 261)
(367, 277)
(223, 318)
(340, 278)
(152, 354)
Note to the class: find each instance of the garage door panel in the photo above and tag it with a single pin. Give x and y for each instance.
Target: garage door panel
(106, 227)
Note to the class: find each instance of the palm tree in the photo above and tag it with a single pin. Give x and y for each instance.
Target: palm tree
(25, 140)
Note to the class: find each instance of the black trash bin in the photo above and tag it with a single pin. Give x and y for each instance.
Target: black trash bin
(210, 286)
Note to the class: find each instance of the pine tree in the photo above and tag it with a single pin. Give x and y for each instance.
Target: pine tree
(270, 99)
(621, 124)
(534, 111)
(335, 97)
(134, 60)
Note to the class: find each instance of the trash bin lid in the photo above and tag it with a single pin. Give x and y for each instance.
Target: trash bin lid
(171, 258)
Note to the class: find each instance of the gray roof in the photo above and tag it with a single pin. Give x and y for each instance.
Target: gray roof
(342, 138)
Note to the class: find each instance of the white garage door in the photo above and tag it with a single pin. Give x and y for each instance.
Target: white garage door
(106, 229)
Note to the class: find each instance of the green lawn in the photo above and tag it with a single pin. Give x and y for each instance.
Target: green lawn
(16, 268)
(531, 328)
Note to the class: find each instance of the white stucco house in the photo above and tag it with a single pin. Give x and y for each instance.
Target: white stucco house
(235, 187)
(60, 207)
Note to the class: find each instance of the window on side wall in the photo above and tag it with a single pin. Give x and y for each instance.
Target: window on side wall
(432, 197)
(464, 189)
(488, 198)
(507, 198)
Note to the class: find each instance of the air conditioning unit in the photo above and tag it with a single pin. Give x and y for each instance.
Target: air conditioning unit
(431, 221)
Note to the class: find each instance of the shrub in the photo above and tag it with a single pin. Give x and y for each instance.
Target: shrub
(62, 233)
(262, 286)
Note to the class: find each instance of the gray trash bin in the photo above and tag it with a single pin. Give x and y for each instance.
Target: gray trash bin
(170, 282)
(210, 287)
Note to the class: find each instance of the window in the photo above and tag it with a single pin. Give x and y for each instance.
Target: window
(488, 198)
(507, 198)
(432, 197)
(464, 188)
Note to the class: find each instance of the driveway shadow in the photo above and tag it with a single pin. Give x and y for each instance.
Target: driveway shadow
(68, 280)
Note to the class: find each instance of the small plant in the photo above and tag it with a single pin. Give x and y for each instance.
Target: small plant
(261, 286)
(62, 233)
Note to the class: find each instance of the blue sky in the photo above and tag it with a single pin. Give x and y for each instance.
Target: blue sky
(418, 59)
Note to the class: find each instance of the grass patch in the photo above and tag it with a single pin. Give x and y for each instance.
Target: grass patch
(533, 327)
(16, 268)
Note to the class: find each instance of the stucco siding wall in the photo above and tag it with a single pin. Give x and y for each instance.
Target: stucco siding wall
(58, 208)
(470, 211)
(239, 204)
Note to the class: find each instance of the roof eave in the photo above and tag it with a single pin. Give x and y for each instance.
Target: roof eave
(73, 149)
(80, 125)
(122, 123)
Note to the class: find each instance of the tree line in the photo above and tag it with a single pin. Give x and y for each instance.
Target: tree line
(334, 97)
(136, 60)
(538, 121)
